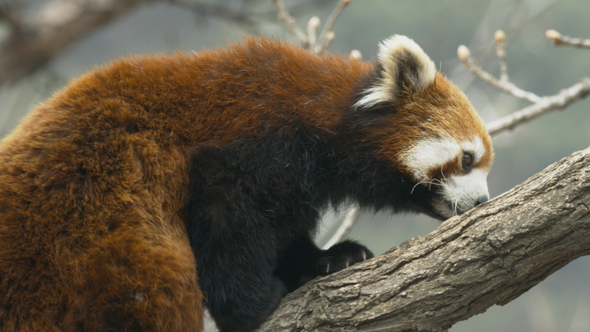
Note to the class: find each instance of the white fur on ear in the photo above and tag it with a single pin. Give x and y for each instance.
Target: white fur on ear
(402, 62)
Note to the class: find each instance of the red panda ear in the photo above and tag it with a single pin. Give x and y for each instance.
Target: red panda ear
(402, 64)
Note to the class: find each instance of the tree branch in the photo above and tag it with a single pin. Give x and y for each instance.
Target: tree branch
(309, 41)
(560, 40)
(541, 105)
(290, 22)
(499, 38)
(36, 38)
(501, 84)
(545, 105)
(327, 35)
(491, 255)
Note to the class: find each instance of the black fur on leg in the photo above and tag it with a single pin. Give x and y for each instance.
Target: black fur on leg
(230, 317)
(298, 263)
(303, 261)
(246, 202)
(254, 205)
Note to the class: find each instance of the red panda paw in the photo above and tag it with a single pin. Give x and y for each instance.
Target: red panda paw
(341, 256)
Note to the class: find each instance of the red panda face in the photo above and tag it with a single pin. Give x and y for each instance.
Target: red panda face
(455, 170)
(431, 133)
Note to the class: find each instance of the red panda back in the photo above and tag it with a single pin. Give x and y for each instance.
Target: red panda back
(223, 94)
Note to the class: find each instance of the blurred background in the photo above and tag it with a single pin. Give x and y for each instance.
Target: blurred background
(562, 301)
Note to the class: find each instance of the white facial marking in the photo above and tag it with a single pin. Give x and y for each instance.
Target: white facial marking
(459, 192)
(388, 56)
(429, 154)
(462, 192)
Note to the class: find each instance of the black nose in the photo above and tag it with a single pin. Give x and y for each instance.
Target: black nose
(481, 200)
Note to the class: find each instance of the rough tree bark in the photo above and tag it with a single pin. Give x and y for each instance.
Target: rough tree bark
(491, 255)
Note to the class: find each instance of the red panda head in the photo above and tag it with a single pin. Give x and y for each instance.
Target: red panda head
(430, 131)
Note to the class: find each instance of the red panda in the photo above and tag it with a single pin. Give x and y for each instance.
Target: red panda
(157, 185)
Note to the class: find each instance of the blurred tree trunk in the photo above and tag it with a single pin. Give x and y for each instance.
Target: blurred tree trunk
(35, 38)
(490, 255)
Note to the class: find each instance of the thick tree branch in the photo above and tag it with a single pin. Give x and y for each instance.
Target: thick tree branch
(491, 255)
(36, 38)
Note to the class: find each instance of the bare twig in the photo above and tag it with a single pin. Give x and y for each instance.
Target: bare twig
(325, 38)
(325, 42)
(312, 29)
(560, 40)
(309, 41)
(506, 86)
(547, 104)
(290, 22)
(499, 38)
(541, 105)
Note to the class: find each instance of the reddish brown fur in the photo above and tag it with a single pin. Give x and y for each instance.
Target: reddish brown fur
(441, 110)
(93, 182)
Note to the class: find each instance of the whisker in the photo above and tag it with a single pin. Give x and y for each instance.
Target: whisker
(440, 183)
(430, 183)
(437, 182)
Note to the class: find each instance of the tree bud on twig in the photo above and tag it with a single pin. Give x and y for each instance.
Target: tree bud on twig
(554, 36)
(499, 36)
(356, 55)
(463, 53)
(314, 22)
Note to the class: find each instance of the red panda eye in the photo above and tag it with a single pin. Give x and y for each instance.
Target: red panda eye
(467, 160)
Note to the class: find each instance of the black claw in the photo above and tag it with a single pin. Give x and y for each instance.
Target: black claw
(343, 255)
